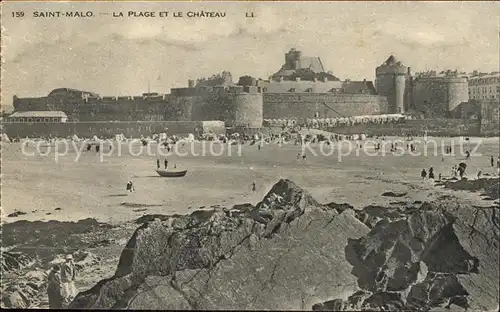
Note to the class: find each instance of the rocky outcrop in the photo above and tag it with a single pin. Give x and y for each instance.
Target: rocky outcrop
(287, 252)
(44, 240)
(418, 258)
(489, 186)
(23, 291)
(12, 261)
(291, 252)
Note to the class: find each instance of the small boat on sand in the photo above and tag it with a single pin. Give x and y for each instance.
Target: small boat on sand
(171, 174)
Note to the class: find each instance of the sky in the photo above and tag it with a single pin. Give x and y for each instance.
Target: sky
(121, 56)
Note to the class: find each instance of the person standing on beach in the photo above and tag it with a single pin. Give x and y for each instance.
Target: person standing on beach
(431, 173)
(54, 286)
(254, 187)
(130, 187)
(68, 274)
(491, 161)
(423, 174)
(157, 164)
(166, 164)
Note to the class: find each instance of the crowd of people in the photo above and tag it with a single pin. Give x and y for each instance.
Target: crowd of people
(319, 123)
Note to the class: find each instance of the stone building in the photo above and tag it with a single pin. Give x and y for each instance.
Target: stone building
(439, 95)
(38, 117)
(484, 86)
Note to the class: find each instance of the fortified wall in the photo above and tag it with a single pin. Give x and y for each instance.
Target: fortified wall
(435, 96)
(490, 118)
(309, 105)
(120, 108)
(134, 129)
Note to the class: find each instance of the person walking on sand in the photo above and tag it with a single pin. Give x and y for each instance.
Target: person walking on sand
(423, 174)
(166, 163)
(431, 173)
(491, 161)
(130, 187)
(68, 274)
(54, 286)
(254, 187)
(157, 164)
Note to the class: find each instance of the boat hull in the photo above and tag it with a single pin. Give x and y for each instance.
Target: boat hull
(171, 174)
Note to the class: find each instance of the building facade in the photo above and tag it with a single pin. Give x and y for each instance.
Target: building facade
(484, 86)
(38, 117)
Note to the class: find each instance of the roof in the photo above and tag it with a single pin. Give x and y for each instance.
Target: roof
(392, 61)
(40, 114)
(312, 63)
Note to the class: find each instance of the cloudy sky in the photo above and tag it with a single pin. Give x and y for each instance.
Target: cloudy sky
(117, 56)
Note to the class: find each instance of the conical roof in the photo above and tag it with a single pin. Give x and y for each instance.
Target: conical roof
(391, 60)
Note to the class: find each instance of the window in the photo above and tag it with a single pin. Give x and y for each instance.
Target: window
(30, 119)
(54, 119)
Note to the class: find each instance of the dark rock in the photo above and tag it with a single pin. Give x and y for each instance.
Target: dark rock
(331, 305)
(58, 209)
(151, 217)
(16, 214)
(412, 258)
(12, 261)
(490, 186)
(392, 194)
(340, 207)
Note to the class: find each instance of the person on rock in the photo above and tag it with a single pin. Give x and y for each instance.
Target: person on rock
(54, 286)
(68, 274)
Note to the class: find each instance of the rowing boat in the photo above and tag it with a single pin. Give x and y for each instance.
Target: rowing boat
(171, 174)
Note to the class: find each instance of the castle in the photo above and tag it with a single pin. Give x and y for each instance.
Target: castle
(300, 89)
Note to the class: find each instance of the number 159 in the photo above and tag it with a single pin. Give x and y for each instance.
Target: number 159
(17, 14)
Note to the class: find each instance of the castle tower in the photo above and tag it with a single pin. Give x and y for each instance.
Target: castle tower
(292, 59)
(391, 82)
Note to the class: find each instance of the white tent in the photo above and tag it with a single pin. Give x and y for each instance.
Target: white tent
(5, 138)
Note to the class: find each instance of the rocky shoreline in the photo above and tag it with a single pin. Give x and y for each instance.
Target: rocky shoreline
(286, 252)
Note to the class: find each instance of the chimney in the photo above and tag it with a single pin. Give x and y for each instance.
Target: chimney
(191, 83)
(409, 71)
(364, 81)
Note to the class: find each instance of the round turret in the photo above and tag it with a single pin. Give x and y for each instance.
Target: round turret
(391, 82)
(247, 110)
